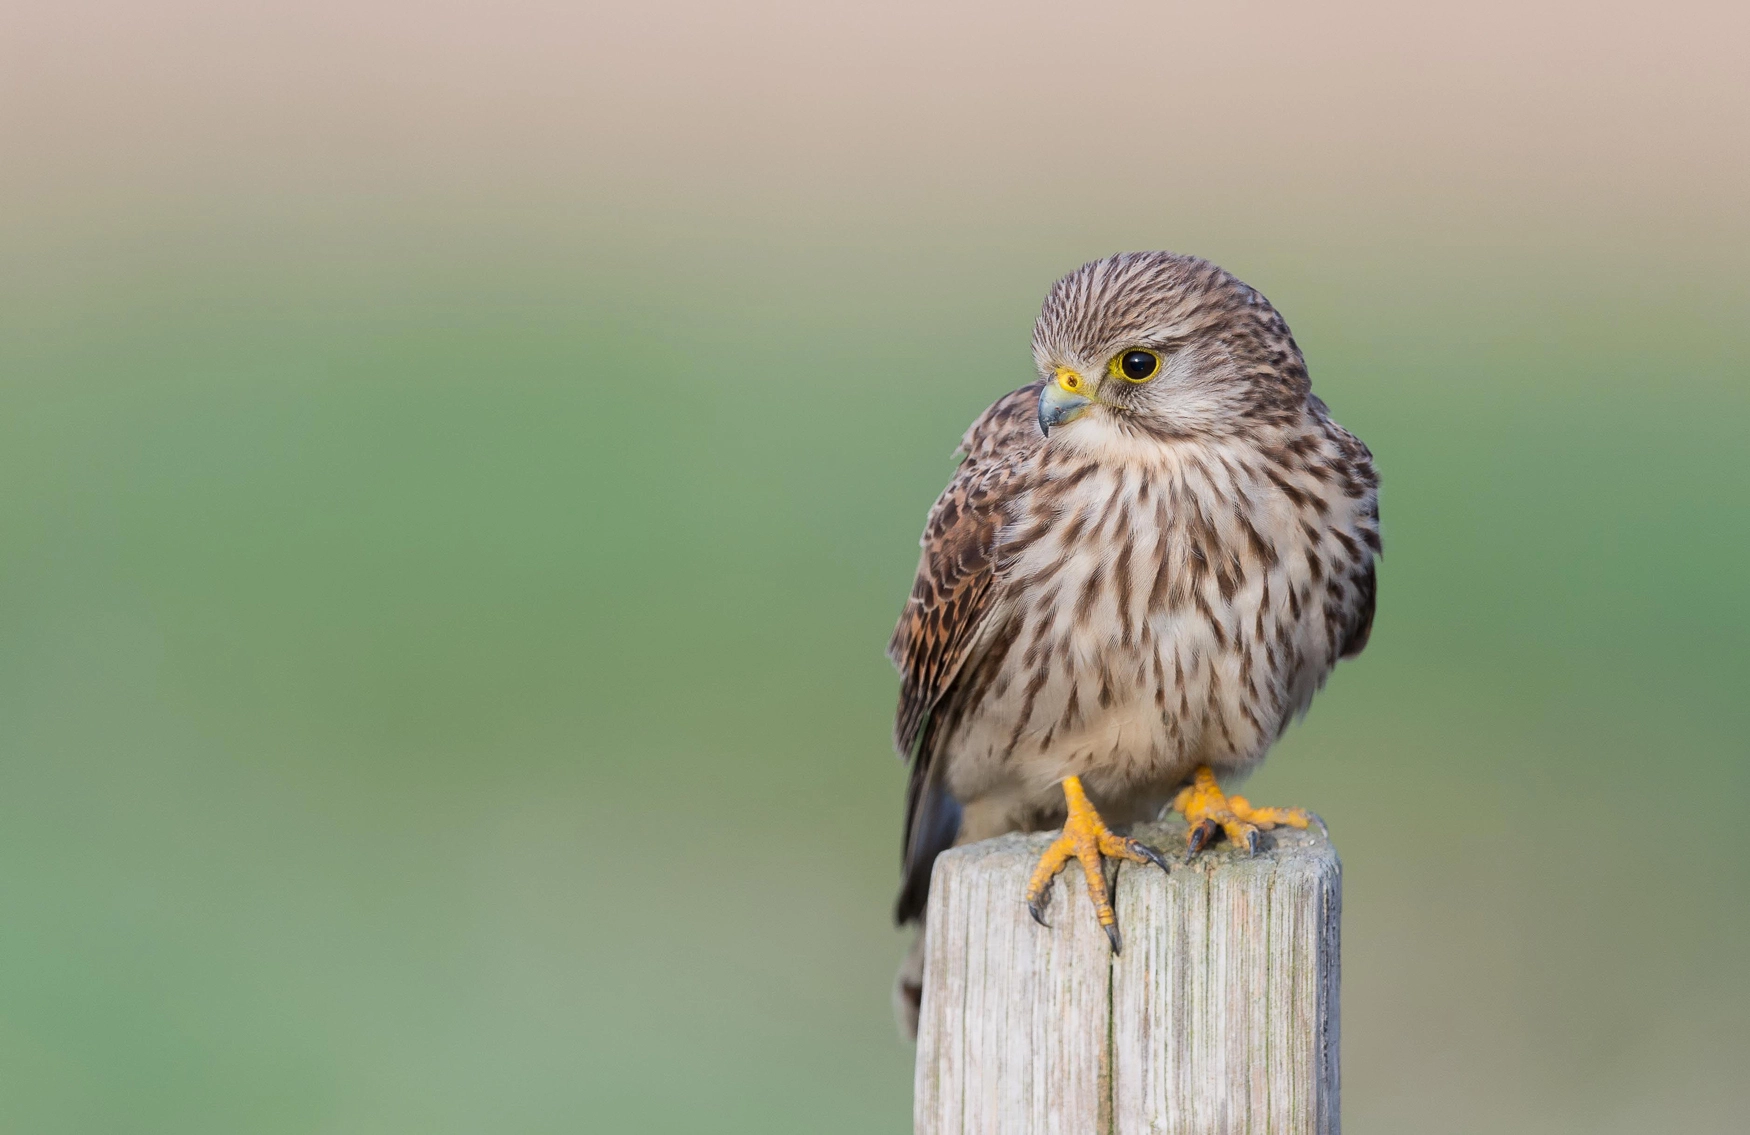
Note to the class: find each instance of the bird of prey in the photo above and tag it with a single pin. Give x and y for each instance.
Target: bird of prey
(1147, 563)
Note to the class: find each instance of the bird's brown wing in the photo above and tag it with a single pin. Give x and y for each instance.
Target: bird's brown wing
(941, 620)
(1361, 628)
(1355, 463)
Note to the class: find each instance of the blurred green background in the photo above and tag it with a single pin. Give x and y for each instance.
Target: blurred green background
(460, 468)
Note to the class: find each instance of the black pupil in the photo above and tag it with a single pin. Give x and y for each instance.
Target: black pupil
(1138, 364)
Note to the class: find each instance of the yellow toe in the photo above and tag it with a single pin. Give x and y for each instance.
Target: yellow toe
(1208, 809)
(1086, 839)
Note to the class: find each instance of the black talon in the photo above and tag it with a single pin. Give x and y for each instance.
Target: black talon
(1036, 907)
(1112, 936)
(1323, 830)
(1252, 842)
(1150, 854)
(1201, 835)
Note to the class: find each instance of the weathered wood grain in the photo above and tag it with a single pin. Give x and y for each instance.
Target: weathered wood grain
(1014, 1030)
(1219, 1017)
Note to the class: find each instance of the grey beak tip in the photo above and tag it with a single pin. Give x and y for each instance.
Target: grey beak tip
(1057, 406)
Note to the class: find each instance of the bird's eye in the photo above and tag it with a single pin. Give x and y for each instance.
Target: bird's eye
(1137, 366)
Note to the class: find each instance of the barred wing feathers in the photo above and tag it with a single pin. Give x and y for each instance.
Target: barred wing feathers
(942, 617)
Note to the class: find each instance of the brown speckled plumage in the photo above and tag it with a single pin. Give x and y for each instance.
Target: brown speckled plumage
(1164, 582)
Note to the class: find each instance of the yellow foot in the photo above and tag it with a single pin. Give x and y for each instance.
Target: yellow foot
(1209, 809)
(1086, 838)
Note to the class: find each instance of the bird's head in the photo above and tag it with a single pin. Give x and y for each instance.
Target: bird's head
(1158, 345)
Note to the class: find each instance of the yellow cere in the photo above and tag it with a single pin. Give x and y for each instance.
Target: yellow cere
(1069, 380)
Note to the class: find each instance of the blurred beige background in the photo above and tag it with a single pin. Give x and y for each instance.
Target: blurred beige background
(462, 463)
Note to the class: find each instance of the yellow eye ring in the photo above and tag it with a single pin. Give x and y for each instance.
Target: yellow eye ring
(1135, 365)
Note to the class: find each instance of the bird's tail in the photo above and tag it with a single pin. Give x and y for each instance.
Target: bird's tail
(908, 988)
(932, 826)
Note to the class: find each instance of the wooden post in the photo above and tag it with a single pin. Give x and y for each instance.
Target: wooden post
(1219, 1017)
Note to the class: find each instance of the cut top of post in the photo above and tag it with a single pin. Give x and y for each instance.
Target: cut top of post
(1219, 1016)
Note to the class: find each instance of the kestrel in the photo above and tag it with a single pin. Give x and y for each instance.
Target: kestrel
(1146, 565)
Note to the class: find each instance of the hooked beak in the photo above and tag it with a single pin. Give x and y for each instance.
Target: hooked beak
(1064, 399)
